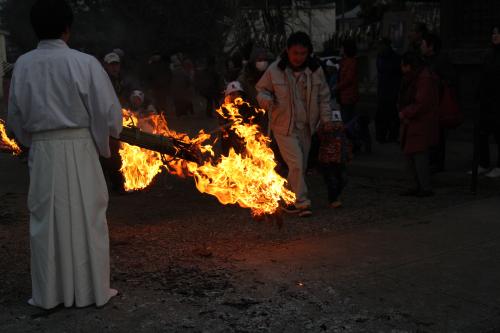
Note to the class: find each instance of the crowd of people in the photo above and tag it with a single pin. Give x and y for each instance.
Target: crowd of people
(416, 103)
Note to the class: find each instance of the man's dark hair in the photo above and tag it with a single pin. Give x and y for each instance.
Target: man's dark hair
(51, 18)
(412, 59)
(433, 40)
(300, 38)
(350, 48)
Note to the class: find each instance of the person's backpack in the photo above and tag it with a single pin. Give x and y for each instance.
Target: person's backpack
(450, 115)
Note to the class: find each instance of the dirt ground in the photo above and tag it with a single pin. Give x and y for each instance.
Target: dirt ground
(183, 262)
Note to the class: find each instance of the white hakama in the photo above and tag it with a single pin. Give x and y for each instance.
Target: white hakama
(67, 200)
(63, 105)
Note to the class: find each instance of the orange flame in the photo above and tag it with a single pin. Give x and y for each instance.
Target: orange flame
(10, 144)
(140, 166)
(248, 178)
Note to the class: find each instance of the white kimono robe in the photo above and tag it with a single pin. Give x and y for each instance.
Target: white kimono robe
(63, 106)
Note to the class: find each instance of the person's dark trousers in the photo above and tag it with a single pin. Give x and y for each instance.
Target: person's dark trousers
(358, 125)
(350, 119)
(485, 132)
(438, 152)
(335, 177)
(111, 167)
(387, 122)
(419, 169)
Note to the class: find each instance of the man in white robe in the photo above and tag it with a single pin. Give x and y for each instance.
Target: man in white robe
(63, 106)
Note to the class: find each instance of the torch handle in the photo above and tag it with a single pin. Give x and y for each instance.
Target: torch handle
(160, 144)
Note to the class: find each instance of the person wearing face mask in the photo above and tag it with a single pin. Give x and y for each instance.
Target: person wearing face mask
(489, 114)
(253, 71)
(262, 65)
(250, 75)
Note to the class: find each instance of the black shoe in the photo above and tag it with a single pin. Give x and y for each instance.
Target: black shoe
(290, 209)
(305, 212)
(425, 194)
(410, 193)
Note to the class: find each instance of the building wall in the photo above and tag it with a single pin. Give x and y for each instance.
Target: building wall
(318, 21)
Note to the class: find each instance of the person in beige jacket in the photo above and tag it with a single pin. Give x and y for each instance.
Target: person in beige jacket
(296, 96)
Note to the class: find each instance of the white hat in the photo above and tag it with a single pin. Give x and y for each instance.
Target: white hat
(330, 63)
(137, 93)
(111, 58)
(120, 52)
(233, 87)
(337, 116)
(154, 58)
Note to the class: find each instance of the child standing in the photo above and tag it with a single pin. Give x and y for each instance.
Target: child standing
(334, 153)
(143, 110)
(248, 114)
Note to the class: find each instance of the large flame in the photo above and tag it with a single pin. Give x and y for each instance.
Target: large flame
(247, 178)
(7, 142)
(140, 166)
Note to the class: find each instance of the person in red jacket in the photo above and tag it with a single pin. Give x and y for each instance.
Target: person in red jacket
(418, 111)
(347, 86)
(347, 92)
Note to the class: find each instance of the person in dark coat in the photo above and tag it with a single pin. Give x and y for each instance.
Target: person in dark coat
(418, 111)
(157, 79)
(258, 62)
(182, 84)
(389, 81)
(208, 83)
(347, 89)
(440, 64)
(489, 115)
(234, 66)
(111, 166)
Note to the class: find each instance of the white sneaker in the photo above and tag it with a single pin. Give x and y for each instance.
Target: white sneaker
(494, 173)
(480, 171)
